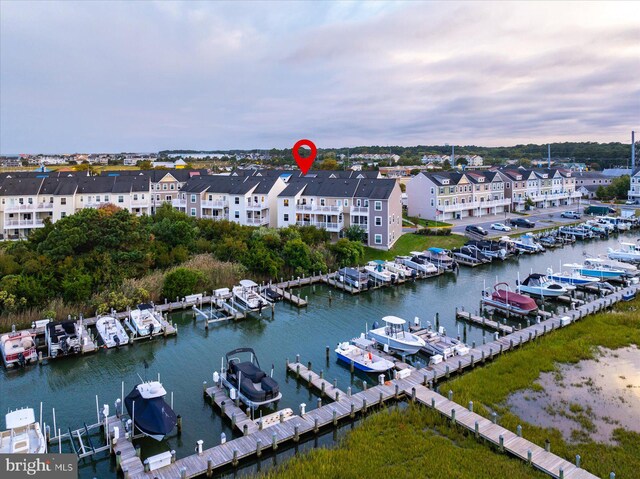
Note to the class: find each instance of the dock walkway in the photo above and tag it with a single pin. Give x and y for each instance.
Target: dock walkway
(124, 449)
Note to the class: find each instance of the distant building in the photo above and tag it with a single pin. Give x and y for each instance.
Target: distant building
(10, 161)
(634, 192)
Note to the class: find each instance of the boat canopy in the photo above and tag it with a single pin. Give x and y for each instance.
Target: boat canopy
(20, 418)
(436, 250)
(379, 261)
(393, 320)
(247, 283)
(150, 390)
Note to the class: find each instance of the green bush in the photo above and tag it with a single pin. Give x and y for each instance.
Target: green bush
(434, 231)
(181, 282)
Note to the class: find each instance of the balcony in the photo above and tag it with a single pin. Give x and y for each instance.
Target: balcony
(261, 205)
(257, 221)
(359, 210)
(334, 227)
(179, 203)
(216, 217)
(472, 205)
(140, 203)
(319, 209)
(34, 223)
(29, 207)
(214, 204)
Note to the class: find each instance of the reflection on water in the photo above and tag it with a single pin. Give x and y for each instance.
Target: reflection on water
(587, 399)
(184, 362)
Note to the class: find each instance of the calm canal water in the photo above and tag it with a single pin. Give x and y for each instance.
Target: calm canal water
(185, 361)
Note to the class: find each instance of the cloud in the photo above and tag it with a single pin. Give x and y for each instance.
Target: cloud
(141, 76)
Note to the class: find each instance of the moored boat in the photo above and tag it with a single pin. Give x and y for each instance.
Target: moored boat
(418, 263)
(394, 335)
(62, 338)
(18, 349)
(23, 434)
(143, 321)
(111, 332)
(628, 252)
(606, 268)
(437, 343)
(439, 257)
(400, 269)
(572, 277)
(241, 374)
(364, 359)
(248, 296)
(537, 284)
(148, 410)
(352, 277)
(377, 270)
(504, 299)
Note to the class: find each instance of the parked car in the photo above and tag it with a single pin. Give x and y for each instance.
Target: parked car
(476, 229)
(630, 202)
(521, 222)
(500, 227)
(574, 215)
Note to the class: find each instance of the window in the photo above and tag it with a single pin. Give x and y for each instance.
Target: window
(63, 201)
(237, 200)
(120, 199)
(193, 211)
(63, 214)
(193, 198)
(157, 197)
(166, 198)
(378, 205)
(135, 197)
(346, 202)
(286, 217)
(432, 202)
(164, 186)
(433, 190)
(106, 198)
(442, 190)
(339, 203)
(378, 239)
(358, 202)
(236, 214)
(378, 221)
(286, 202)
(173, 186)
(366, 203)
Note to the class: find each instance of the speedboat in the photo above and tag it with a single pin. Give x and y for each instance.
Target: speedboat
(400, 269)
(579, 232)
(143, 321)
(248, 296)
(377, 270)
(465, 258)
(527, 244)
(438, 343)
(477, 253)
(23, 434)
(492, 249)
(111, 332)
(417, 263)
(572, 277)
(394, 335)
(62, 338)
(439, 257)
(628, 252)
(602, 268)
(243, 376)
(149, 411)
(506, 300)
(363, 358)
(540, 285)
(18, 349)
(353, 277)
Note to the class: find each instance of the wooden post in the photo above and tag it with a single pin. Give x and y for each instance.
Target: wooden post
(245, 429)
(413, 394)
(501, 437)
(118, 457)
(209, 467)
(519, 430)
(316, 427)
(529, 454)
(274, 441)
(296, 434)
(234, 461)
(258, 448)
(453, 416)
(470, 406)
(352, 414)
(173, 456)
(477, 430)
(335, 418)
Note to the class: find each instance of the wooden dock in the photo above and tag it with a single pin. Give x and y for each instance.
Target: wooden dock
(230, 410)
(292, 298)
(126, 457)
(484, 322)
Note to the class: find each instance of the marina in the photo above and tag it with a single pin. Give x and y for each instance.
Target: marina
(329, 318)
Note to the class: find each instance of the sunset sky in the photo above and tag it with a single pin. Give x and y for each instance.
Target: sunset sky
(147, 76)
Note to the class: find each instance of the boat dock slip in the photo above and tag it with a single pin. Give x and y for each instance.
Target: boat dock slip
(87, 344)
(316, 381)
(503, 438)
(292, 298)
(484, 322)
(233, 413)
(123, 449)
(331, 281)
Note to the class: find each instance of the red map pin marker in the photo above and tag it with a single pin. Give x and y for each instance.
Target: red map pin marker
(304, 163)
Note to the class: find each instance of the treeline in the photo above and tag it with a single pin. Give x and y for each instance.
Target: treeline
(108, 258)
(618, 189)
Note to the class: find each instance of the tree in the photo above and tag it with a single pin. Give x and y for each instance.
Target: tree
(297, 256)
(355, 233)
(348, 253)
(181, 282)
(328, 164)
(528, 204)
(403, 187)
(144, 164)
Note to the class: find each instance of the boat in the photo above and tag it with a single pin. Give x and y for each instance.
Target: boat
(247, 295)
(537, 284)
(363, 358)
(578, 232)
(242, 375)
(492, 249)
(439, 257)
(376, 269)
(606, 268)
(418, 264)
(618, 223)
(394, 335)
(572, 277)
(475, 252)
(62, 338)
(400, 269)
(23, 434)
(527, 244)
(18, 349)
(464, 258)
(149, 412)
(506, 300)
(271, 294)
(111, 332)
(437, 343)
(143, 321)
(628, 252)
(353, 277)
(628, 296)
(516, 246)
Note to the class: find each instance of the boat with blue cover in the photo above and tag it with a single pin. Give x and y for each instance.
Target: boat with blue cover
(361, 353)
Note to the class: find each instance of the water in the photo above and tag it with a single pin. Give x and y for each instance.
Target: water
(185, 361)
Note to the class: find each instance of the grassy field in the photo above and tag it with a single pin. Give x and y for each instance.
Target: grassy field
(423, 222)
(411, 443)
(490, 386)
(413, 242)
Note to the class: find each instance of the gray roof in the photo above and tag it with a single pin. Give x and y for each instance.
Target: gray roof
(339, 187)
(20, 186)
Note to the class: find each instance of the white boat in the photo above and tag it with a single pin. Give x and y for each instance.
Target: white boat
(111, 332)
(401, 270)
(603, 264)
(376, 269)
(62, 338)
(363, 358)
(18, 349)
(247, 295)
(540, 285)
(144, 321)
(394, 335)
(438, 343)
(617, 223)
(23, 434)
(628, 252)
(417, 263)
(572, 277)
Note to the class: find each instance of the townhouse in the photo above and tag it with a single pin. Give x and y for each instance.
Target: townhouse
(454, 195)
(335, 204)
(539, 188)
(634, 186)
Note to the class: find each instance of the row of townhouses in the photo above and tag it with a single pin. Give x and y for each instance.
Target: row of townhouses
(330, 200)
(451, 195)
